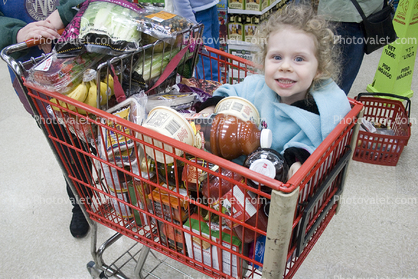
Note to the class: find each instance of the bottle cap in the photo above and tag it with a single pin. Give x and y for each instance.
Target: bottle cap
(263, 166)
(266, 138)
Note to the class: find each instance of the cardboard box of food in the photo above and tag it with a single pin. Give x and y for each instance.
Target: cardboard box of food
(169, 206)
(202, 251)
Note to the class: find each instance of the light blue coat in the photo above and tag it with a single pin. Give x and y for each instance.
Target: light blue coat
(292, 126)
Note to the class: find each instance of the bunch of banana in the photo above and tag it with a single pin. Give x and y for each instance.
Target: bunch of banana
(79, 94)
(86, 93)
(109, 81)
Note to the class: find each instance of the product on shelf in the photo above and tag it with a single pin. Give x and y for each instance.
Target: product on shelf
(256, 5)
(237, 4)
(250, 26)
(235, 28)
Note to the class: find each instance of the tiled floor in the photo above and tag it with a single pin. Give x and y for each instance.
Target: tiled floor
(375, 234)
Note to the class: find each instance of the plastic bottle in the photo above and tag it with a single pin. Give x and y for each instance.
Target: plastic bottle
(268, 162)
(229, 137)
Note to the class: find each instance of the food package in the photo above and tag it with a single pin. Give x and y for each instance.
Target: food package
(208, 254)
(79, 126)
(120, 207)
(177, 101)
(214, 187)
(162, 25)
(191, 175)
(105, 26)
(62, 74)
(244, 206)
(116, 145)
(256, 250)
(171, 237)
(138, 192)
(169, 206)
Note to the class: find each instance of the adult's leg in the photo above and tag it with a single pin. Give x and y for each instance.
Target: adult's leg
(209, 19)
(79, 166)
(352, 53)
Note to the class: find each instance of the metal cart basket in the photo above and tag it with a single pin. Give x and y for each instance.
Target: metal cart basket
(153, 201)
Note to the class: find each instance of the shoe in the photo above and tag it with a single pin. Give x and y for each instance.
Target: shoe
(78, 226)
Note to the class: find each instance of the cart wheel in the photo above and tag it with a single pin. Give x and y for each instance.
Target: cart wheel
(95, 272)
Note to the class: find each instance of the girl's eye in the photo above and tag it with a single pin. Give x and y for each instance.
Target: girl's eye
(299, 59)
(277, 57)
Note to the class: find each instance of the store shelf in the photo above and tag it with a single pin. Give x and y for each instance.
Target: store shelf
(244, 45)
(250, 12)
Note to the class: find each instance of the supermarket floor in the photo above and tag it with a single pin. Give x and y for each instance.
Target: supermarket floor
(373, 236)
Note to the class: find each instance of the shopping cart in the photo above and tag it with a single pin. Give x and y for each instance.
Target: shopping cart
(162, 212)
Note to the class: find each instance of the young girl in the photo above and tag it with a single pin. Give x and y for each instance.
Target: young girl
(296, 97)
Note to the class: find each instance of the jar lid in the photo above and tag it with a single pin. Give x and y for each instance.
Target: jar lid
(263, 166)
(266, 138)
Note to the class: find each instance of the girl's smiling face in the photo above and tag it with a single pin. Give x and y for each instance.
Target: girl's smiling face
(290, 64)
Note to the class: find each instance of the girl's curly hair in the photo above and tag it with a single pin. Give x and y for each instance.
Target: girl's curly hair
(303, 17)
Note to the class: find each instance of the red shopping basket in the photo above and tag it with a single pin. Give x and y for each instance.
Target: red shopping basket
(383, 149)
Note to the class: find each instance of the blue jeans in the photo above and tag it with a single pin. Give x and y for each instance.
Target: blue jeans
(209, 19)
(352, 53)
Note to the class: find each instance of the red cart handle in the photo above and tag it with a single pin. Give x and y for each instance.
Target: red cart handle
(39, 41)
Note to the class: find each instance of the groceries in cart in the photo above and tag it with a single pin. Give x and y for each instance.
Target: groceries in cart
(175, 100)
(118, 26)
(62, 74)
(211, 255)
(230, 133)
(168, 122)
(244, 206)
(119, 183)
(226, 135)
(82, 47)
(102, 26)
(268, 162)
(163, 25)
(112, 139)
